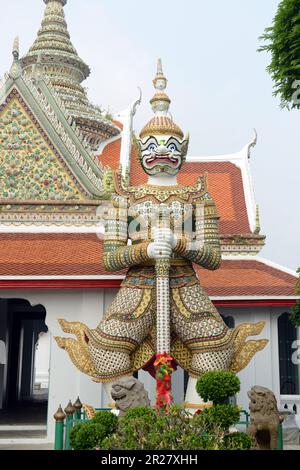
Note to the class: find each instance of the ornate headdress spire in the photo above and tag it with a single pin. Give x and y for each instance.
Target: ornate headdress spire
(161, 123)
(63, 2)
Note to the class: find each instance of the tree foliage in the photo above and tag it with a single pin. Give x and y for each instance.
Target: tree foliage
(283, 42)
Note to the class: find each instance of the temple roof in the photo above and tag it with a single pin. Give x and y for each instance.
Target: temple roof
(53, 54)
(72, 256)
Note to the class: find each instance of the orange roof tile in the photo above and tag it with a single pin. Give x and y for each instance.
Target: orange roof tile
(247, 278)
(81, 255)
(50, 254)
(225, 185)
(111, 154)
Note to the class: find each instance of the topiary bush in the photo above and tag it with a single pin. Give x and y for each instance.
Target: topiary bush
(222, 416)
(89, 435)
(217, 386)
(237, 441)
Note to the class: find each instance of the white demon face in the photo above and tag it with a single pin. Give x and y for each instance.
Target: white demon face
(162, 154)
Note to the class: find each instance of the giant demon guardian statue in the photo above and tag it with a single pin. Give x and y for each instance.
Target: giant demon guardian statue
(161, 310)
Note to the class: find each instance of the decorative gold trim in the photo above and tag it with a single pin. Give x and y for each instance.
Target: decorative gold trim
(89, 411)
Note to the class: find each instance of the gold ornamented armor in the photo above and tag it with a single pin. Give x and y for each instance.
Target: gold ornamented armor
(125, 339)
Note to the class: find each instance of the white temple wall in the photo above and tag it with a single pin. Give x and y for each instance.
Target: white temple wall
(88, 306)
(65, 382)
(264, 368)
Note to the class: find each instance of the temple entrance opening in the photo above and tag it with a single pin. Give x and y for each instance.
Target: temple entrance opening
(24, 369)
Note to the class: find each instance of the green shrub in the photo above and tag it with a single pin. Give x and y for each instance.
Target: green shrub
(144, 412)
(137, 430)
(204, 441)
(217, 386)
(221, 416)
(73, 434)
(89, 435)
(107, 419)
(237, 441)
(144, 429)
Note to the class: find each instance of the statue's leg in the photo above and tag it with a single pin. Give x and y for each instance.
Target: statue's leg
(203, 332)
(125, 326)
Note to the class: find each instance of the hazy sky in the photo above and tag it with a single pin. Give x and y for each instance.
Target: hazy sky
(218, 84)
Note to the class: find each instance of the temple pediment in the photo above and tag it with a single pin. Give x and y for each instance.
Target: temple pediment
(31, 168)
(47, 169)
(36, 124)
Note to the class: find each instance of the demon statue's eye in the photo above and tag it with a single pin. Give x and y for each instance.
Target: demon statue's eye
(172, 147)
(152, 147)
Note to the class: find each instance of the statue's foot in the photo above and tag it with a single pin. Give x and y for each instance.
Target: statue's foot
(75, 328)
(76, 348)
(247, 329)
(78, 353)
(244, 350)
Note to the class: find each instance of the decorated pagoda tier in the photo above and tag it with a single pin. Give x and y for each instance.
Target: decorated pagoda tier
(54, 55)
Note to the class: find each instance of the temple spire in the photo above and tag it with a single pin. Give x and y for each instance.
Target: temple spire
(54, 43)
(54, 56)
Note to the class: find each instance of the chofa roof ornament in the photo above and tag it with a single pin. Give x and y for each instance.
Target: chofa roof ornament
(16, 69)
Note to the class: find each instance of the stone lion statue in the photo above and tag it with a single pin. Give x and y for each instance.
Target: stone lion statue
(264, 418)
(128, 393)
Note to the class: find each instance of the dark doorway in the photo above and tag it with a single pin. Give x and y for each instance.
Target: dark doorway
(20, 327)
(289, 372)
